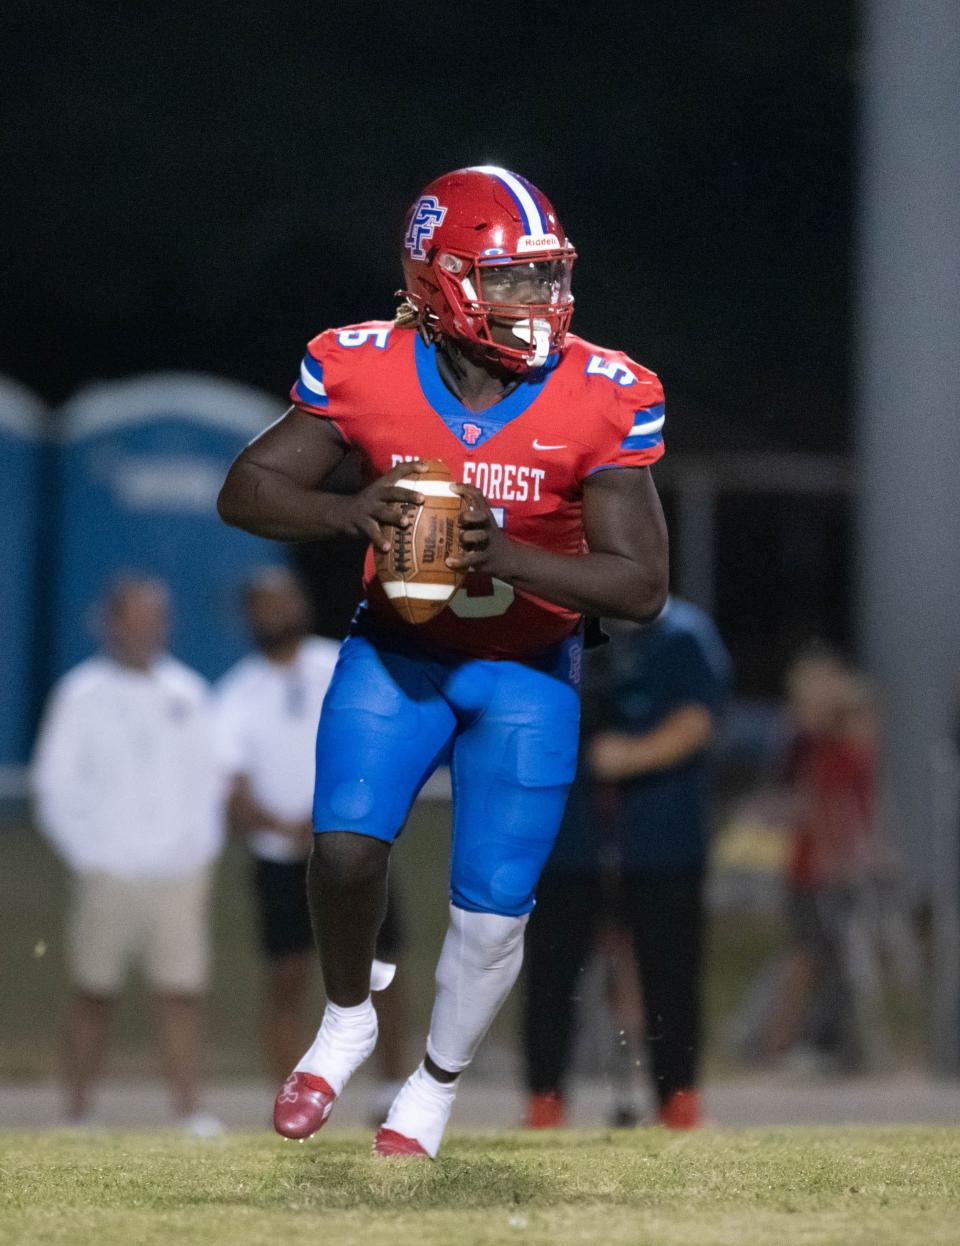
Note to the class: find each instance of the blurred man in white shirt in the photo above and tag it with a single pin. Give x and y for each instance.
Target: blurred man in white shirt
(126, 788)
(268, 706)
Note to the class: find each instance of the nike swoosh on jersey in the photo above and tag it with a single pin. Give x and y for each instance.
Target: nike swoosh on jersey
(538, 446)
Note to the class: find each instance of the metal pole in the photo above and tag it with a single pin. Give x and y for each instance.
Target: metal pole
(945, 910)
(909, 393)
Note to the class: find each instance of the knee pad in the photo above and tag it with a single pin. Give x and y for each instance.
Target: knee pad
(504, 889)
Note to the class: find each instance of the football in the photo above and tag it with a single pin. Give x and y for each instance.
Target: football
(413, 572)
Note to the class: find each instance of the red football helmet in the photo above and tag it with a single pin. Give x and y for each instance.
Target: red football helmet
(483, 249)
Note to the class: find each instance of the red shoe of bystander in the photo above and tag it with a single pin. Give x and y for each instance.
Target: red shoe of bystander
(545, 1111)
(682, 1110)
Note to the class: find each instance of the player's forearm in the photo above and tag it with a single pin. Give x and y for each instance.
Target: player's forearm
(598, 583)
(269, 504)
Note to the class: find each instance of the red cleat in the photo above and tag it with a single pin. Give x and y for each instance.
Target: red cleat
(389, 1142)
(302, 1106)
(545, 1111)
(682, 1110)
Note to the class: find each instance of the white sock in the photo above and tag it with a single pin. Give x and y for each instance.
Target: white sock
(481, 958)
(382, 1097)
(347, 1036)
(382, 973)
(421, 1110)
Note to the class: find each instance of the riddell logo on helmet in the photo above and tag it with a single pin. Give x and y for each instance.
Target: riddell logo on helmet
(544, 242)
(426, 215)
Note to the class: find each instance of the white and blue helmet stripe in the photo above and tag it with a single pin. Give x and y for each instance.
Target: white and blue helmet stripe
(520, 189)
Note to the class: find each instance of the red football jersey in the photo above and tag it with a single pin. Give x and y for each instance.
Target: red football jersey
(587, 409)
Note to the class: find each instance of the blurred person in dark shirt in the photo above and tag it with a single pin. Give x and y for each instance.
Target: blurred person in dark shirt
(633, 847)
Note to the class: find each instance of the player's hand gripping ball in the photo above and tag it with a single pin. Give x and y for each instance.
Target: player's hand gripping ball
(413, 571)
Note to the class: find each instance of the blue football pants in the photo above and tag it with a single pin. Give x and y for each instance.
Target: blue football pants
(509, 731)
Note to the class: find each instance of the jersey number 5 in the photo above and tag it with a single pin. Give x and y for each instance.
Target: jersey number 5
(613, 371)
(360, 337)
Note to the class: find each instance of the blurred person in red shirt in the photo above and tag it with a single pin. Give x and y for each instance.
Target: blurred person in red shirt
(834, 862)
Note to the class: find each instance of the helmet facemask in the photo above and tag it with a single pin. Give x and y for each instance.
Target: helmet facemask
(513, 311)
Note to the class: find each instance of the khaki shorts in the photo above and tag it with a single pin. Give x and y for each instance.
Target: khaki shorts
(162, 922)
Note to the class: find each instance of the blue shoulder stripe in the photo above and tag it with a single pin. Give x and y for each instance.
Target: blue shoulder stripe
(314, 367)
(309, 387)
(644, 442)
(647, 428)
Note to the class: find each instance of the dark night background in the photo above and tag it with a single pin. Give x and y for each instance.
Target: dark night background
(205, 187)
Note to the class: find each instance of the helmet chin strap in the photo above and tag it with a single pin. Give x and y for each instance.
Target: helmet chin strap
(537, 336)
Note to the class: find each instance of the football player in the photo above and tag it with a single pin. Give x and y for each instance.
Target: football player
(552, 439)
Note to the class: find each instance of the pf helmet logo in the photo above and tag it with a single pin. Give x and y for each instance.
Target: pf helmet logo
(427, 214)
(471, 433)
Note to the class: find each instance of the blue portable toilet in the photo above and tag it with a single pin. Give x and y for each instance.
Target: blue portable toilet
(21, 430)
(141, 462)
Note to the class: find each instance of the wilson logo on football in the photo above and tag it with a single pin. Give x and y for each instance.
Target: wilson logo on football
(413, 572)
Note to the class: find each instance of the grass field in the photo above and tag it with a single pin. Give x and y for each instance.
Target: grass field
(844, 1187)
